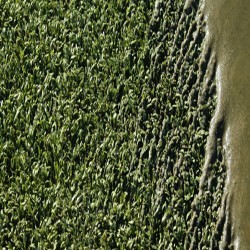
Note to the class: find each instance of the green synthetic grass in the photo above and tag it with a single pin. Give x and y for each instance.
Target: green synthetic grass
(102, 137)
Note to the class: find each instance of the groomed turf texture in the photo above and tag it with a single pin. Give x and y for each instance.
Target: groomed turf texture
(105, 109)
